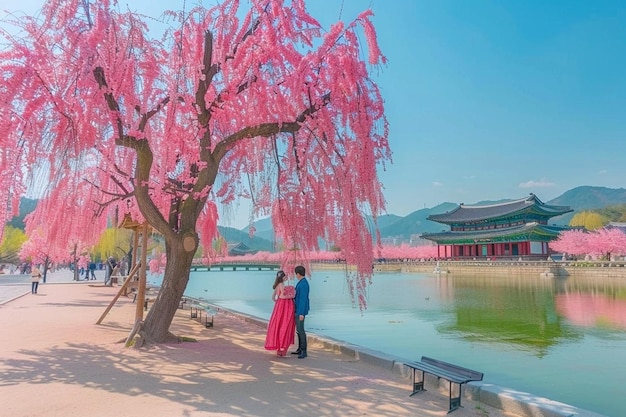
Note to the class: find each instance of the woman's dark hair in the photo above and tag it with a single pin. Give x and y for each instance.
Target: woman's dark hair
(280, 277)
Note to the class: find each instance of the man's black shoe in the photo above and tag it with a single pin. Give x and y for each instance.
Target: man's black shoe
(302, 354)
(297, 352)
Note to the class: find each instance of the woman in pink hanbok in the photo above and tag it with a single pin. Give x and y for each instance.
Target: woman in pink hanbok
(282, 326)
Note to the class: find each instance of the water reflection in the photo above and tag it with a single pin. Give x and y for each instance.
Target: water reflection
(517, 311)
(592, 310)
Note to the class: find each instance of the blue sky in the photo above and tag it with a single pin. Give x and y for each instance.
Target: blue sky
(489, 100)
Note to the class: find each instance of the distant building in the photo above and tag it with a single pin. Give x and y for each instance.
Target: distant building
(511, 229)
(617, 225)
(417, 240)
(240, 249)
(392, 240)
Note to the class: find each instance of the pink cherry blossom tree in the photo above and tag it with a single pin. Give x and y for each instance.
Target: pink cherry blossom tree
(573, 242)
(35, 250)
(606, 241)
(54, 239)
(262, 103)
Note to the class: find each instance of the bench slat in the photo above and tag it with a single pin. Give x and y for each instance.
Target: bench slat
(458, 379)
(452, 373)
(469, 373)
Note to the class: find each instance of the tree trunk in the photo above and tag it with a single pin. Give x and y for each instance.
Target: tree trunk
(157, 323)
(46, 266)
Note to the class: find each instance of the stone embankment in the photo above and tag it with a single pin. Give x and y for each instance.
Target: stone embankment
(498, 267)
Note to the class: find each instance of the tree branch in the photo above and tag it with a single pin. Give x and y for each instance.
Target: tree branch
(267, 129)
(146, 116)
(98, 74)
(209, 70)
(145, 158)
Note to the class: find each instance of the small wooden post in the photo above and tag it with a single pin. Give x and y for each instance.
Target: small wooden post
(141, 289)
(129, 223)
(122, 290)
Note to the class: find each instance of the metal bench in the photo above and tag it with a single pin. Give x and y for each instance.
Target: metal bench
(196, 312)
(452, 373)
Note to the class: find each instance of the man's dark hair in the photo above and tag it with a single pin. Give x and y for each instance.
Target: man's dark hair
(300, 270)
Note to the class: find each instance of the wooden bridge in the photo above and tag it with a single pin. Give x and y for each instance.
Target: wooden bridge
(234, 266)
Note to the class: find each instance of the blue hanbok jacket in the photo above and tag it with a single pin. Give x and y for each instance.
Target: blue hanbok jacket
(302, 297)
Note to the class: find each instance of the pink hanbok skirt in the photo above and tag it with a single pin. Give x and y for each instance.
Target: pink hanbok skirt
(282, 326)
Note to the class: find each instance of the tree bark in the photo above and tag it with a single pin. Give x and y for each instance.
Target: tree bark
(175, 278)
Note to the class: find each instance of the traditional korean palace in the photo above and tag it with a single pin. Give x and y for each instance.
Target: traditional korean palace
(510, 229)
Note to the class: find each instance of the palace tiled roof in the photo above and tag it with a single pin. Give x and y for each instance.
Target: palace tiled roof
(469, 214)
(240, 248)
(617, 225)
(525, 231)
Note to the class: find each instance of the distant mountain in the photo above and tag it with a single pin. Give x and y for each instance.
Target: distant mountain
(579, 199)
(587, 198)
(257, 243)
(264, 229)
(416, 223)
(27, 205)
(387, 220)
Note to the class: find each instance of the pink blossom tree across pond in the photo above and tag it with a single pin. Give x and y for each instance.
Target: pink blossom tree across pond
(572, 242)
(261, 103)
(383, 253)
(607, 241)
(600, 242)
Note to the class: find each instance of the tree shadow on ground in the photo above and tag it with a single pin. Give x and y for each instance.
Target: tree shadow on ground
(203, 376)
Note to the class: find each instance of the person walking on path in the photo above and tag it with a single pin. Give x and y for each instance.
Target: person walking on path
(302, 309)
(282, 325)
(111, 264)
(35, 275)
(92, 271)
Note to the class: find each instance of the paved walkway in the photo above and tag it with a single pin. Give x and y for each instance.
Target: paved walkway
(13, 286)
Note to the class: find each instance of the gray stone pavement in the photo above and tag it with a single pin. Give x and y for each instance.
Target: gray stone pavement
(13, 286)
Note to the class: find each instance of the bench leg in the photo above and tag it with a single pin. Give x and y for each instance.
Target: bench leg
(208, 323)
(455, 402)
(417, 385)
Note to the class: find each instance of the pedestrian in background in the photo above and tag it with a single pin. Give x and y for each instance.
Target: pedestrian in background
(92, 271)
(35, 277)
